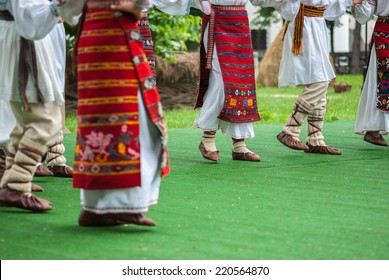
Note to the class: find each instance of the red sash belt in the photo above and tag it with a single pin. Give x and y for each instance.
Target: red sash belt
(305, 11)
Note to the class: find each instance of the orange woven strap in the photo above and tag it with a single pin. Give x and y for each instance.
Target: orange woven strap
(305, 11)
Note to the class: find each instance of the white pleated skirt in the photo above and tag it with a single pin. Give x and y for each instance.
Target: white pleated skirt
(369, 118)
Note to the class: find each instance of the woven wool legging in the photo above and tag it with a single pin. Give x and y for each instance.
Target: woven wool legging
(34, 131)
(312, 104)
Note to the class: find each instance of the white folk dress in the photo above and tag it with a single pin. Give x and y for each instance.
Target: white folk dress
(58, 38)
(7, 119)
(207, 118)
(34, 21)
(127, 200)
(369, 118)
(313, 64)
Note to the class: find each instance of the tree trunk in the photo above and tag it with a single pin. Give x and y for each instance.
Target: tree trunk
(356, 51)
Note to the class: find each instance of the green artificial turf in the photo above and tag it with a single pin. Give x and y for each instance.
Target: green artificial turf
(292, 205)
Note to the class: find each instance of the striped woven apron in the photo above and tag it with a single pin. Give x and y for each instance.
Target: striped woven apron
(381, 40)
(229, 31)
(112, 67)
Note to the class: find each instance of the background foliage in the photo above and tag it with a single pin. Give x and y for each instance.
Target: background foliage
(170, 33)
(265, 17)
(173, 33)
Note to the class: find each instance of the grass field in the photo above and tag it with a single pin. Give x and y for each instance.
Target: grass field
(275, 105)
(289, 206)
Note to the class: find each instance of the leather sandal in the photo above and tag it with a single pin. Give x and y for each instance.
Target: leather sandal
(213, 156)
(290, 142)
(249, 156)
(90, 219)
(36, 188)
(23, 200)
(133, 218)
(375, 138)
(61, 171)
(43, 171)
(325, 150)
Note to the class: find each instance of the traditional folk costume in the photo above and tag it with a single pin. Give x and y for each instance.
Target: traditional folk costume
(28, 79)
(373, 111)
(121, 138)
(226, 92)
(7, 123)
(305, 61)
(55, 158)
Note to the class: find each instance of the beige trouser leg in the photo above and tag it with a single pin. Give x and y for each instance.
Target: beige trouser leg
(10, 155)
(19, 175)
(316, 95)
(55, 152)
(65, 130)
(300, 112)
(34, 131)
(315, 124)
(312, 99)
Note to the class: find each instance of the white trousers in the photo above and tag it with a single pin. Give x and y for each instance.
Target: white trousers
(7, 122)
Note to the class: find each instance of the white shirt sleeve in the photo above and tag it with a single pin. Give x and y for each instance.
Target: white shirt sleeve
(71, 10)
(33, 18)
(336, 9)
(363, 12)
(173, 7)
(289, 9)
(269, 3)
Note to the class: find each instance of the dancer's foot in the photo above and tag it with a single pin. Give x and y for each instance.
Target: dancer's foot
(375, 138)
(42, 171)
(248, 156)
(90, 219)
(36, 188)
(326, 150)
(210, 155)
(61, 171)
(290, 142)
(23, 200)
